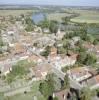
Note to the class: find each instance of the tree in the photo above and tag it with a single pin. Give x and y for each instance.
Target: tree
(90, 38)
(86, 58)
(29, 24)
(80, 49)
(48, 86)
(46, 89)
(46, 52)
(85, 94)
(55, 98)
(66, 20)
(66, 45)
(95, 42)
(61, 50)
(66, 82)
(29, 28)
(53, 27)
(54, 81)
(90, 59)
(45, 24)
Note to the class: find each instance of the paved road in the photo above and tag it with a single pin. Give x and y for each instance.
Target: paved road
(61, 75)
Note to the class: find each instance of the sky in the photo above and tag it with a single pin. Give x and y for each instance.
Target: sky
(53, 2)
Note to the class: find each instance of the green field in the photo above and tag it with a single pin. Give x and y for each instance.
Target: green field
(57, 16)
(88, 16)
(28, 96)
(14, 12)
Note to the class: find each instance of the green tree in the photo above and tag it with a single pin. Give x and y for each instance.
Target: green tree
(29, 24)
(66, 84)
(61, 50)
(66, 20)
(45, 24)
(81, 57)
(90, 59)
(86, 94)
(46, 89)
(48, 86)
(55, 98)
(66, 45)
(46, 52)
(95, 42)
(90, 38)
(53, 27)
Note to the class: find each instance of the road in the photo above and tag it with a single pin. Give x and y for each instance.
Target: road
(61, 75)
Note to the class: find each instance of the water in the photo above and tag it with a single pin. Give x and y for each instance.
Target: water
(38, 17)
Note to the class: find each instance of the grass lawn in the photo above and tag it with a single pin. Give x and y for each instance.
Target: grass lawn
(57, 16)
(88, 16)
(28, 96)
(14, 12)
(1, 96)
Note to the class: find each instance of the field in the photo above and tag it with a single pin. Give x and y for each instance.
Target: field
(88, 16)
(28, 96)
(57, 16)
(14, 12)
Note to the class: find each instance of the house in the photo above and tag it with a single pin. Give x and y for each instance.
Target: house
(53, 51)
(76, 39)
(36, 59)
(26, 40)
(93, 82)
(73, 41)
(62, 94)
(11, 32)
(5, 69)
(61, 61)
(60, 34)
(42, 70)
(46, 30)
(79, 73)
(88, 46)
(96, 48)
(18, 49)
(23, 56)
(37, 29)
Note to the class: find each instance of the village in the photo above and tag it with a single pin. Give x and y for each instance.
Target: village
(31, 54)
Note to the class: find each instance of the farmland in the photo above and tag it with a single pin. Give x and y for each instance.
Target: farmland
(14, 12)
(88, 16)
(57, 16)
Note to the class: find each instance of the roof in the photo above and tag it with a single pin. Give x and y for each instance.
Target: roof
(6, 68)
(80, 71)
(93, 81)
(18, 48)
(97, 78)
(42, 68)
(35, 58)
(53, 49)
(27, 39)
(88, 45)
(97, 48)
(73, 57)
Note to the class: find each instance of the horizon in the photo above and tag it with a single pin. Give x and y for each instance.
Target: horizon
(94, 3)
